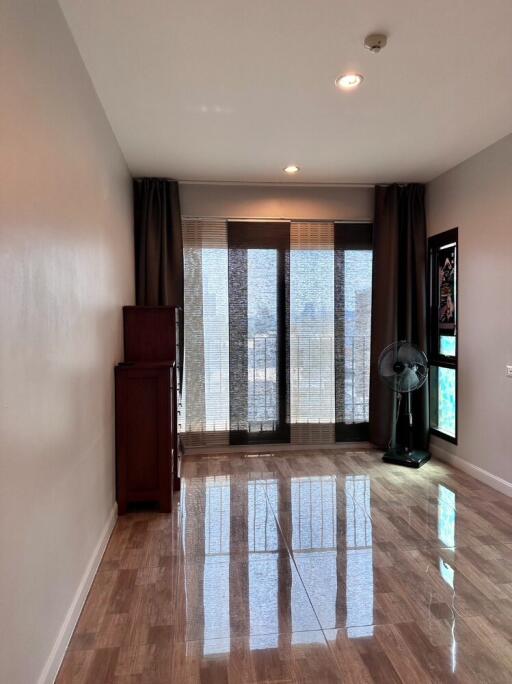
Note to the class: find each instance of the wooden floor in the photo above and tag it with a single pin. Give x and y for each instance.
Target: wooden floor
(324, 566)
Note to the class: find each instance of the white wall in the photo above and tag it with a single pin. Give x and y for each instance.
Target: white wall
(476, 196)
(66, 268)
(277, 201)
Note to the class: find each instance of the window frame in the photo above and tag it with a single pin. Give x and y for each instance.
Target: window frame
(436, 359)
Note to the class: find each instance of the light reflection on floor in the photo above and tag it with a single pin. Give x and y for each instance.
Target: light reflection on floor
(216, 564)
(359, 557)
(305, 567)
(325, 554)
(446, 533)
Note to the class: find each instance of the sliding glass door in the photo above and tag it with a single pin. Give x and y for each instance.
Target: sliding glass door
(277, 332)
(258, 272)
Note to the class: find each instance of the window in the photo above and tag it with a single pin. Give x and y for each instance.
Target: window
(277, 331)
(443, 257)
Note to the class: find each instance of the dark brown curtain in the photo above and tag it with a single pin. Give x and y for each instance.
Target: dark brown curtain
(158, 244)
(399, 301)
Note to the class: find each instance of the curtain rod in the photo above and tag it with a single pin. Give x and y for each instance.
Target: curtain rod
(282, 184)
(279, 184)
(274, 219)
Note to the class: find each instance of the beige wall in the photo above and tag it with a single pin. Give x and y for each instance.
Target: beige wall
(66, 268)
(476, 196)
(277, 201)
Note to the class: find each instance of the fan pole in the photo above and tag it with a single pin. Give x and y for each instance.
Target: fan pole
(409, 415)
(402, 451)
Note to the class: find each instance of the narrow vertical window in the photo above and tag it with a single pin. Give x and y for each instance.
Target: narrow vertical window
(443, 254)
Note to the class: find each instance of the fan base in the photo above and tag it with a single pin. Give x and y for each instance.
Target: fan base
(411, 459)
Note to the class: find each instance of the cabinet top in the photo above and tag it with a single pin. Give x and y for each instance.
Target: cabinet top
(138, 307)
(146, 364)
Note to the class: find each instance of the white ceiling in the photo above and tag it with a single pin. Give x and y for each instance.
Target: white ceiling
(233, 90)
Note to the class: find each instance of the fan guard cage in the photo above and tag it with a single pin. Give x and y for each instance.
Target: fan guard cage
(403, 367)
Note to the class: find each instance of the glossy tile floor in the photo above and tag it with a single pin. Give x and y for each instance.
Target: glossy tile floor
(324, 566)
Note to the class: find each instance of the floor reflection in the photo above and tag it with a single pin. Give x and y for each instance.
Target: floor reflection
(447, 572)
(313, 513)
(314, 543)
(266, 557)
(446, 516)
(448, 575)
(359, 557)
(262, 498)
(446, 513)
(216, 590)
(305, 567)
(217, 517)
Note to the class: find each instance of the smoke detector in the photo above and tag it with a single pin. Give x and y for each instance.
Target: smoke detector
(375, 42)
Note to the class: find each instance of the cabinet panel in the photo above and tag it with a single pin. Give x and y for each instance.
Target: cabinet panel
(143, 435)
(149, 333)
(141, 425)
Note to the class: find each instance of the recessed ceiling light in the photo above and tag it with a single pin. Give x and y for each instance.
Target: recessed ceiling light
(291, 168)
(348, 81)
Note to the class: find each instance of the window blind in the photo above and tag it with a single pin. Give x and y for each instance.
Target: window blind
(277, 331)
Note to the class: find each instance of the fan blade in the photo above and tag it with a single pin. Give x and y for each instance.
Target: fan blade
(409, 354)
(387, 365)
(403, 367)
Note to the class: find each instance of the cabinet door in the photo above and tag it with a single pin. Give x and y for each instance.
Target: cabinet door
(142, 435)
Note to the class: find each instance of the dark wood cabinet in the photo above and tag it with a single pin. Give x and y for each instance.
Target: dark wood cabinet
(148, 450)
(151, 333)
(144, 444)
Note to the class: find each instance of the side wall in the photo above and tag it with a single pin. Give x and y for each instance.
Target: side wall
(66, 268)
(476, 196)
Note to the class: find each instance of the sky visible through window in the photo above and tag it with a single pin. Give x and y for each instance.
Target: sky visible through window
(446, 400)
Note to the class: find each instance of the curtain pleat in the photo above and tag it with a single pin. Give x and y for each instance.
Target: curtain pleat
(158, 245)
(399, 309)
(158, 242)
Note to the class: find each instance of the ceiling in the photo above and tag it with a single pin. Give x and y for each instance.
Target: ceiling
(234, 90)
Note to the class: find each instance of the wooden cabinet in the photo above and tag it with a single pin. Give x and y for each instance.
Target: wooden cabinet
(148, 453)
(144, 439)
(151, 333)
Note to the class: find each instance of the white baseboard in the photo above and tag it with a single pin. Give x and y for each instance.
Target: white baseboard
(53, 663)
(478, 473)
